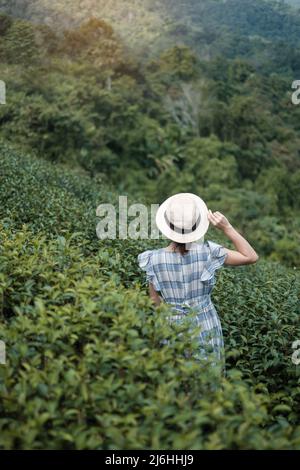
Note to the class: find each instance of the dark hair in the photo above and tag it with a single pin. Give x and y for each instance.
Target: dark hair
(181, 247)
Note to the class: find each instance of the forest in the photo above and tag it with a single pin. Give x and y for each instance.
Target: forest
(145, 99)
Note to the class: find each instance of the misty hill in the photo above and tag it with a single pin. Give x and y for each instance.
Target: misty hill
(139, 21)
(149, 26)
(295, 3)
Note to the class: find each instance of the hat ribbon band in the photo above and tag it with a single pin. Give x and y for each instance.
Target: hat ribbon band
(182, 231)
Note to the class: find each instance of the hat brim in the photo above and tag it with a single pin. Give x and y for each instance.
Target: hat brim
(178, 237)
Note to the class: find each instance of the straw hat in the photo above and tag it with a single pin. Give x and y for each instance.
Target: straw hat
(183, 218)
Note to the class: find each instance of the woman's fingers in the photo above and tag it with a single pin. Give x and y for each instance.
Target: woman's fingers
(215, 217)
(218, 220)
(212, 218)
(211, 215)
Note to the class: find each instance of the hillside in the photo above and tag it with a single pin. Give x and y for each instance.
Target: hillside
(294, 3)
(146, 99)
(154, 128)
(89, 370)
(136, 20)
(150, 26)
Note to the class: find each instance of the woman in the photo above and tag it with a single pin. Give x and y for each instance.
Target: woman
(183, 273)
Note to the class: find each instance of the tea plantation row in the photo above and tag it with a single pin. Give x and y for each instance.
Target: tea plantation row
(87, 366)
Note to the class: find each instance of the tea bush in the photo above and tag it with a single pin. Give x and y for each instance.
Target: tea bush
(87, 366)
(260, 313)
(87, 369)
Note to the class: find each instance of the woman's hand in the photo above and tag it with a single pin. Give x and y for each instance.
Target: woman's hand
(218, 220)
(244, 253)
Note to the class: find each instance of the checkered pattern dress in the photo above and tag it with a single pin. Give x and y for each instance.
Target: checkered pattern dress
(185, 283)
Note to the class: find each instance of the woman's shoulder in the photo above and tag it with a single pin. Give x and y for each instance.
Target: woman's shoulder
(205, 246)
(208, 249)
(150, 257)
(216, 249)
(145, 257)
(145, 261)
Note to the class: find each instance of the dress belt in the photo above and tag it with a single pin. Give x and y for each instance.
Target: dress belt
(184, 307)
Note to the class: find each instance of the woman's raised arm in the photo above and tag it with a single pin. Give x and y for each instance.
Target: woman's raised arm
(244, 253)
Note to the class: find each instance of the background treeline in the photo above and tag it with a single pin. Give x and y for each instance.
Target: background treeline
(231, 27)
(86, 365)
(215, 118)
(145, 99)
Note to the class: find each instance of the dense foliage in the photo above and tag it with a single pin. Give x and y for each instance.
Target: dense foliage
(295, 3)
(87, 367)
(145, 99)
(221, 128)
(257, 29)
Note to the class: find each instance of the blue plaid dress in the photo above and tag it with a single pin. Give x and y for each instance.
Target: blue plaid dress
(185, 283)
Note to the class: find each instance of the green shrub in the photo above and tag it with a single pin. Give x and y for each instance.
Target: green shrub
(86, 366)
(87, 362)
(260, 313)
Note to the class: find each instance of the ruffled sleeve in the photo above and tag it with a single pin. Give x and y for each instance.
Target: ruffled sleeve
(216, 258)
(145, 262)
